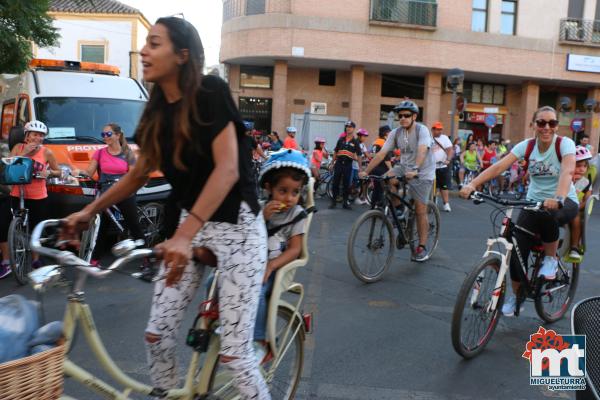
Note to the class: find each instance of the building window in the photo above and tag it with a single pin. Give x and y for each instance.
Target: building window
(509, 17)
(402, 86)
(479, 17)
(412, 12)
(484, 93)
(254, 7)
(93, 53)
(256, 77)
(575, 10)
(326, 77)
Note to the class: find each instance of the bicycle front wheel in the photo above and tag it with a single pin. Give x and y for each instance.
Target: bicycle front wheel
(282, 373)
(473, 320)
(555, 297)
(433, 230)
(88, 239)
(152, 218)
(371, 246)
(20, 254)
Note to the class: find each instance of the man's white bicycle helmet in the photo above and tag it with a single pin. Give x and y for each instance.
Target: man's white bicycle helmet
(582, 153)
(291, 129)
(36, 126)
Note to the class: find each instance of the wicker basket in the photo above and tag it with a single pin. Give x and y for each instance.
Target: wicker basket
(37, 377)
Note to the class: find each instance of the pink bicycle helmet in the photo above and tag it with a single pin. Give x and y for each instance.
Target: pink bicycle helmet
(320, 139)
(582, 153)
(362, 132)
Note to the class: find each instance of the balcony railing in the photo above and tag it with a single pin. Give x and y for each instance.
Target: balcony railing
(240, 8)
(582, 31)
(410, 12)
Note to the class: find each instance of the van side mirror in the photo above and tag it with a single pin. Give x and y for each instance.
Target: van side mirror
(15, 135)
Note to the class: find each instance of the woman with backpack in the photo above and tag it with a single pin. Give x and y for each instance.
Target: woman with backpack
(550, 161)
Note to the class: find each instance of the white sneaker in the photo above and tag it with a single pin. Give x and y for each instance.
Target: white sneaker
(360, 202)
(509, 306)
(447, 207)
(549, 268)
(575, 255)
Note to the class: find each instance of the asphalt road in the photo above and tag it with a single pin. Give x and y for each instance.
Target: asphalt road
(388, 340)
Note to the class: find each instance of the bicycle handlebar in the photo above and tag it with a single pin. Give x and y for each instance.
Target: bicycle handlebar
(385, 178)
(478, 197)
(66, 258)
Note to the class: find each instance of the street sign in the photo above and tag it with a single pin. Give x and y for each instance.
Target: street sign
(490, 120)
(577, 124)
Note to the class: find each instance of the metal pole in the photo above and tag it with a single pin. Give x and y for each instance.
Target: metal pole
(453, 114)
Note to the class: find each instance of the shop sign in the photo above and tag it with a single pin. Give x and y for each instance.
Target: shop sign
(479, 118)
(576, 62)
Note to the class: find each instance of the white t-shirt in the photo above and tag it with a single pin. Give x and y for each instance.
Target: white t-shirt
(439, 153)
(544, 169)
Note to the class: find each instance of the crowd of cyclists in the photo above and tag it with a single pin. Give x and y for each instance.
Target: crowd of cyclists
(192, 131)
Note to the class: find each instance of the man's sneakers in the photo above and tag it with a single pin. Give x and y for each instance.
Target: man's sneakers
(575, 255)
(5, 269)
(420, 254)
(360, 202)
(549, 268)
(446, 207)
(510, 306)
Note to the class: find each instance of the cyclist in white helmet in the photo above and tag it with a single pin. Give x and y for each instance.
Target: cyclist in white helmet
(414, 141)
(35, 192)
(290, 140)
(583, 177)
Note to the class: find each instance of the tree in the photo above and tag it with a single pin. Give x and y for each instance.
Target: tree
(21, 23)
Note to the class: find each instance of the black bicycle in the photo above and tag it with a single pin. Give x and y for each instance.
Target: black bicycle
(372, 240)
(479, 303)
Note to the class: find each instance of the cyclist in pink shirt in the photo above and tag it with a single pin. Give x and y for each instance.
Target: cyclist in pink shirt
(111, 163)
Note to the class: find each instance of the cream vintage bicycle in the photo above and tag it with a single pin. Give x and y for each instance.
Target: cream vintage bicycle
(205, 377)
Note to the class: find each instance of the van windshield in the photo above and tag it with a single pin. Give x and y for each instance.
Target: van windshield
(82, 119)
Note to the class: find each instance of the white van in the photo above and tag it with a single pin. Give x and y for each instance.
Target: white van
(75, 100)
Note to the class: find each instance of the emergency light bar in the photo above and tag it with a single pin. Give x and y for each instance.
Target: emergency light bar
(78, 66)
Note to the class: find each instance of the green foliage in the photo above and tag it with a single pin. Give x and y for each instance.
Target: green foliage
(21, 23)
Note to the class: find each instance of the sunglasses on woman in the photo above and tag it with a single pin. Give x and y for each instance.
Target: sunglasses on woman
(106, 134)
(541, 123)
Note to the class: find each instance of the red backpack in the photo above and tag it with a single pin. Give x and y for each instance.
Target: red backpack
(531, 145)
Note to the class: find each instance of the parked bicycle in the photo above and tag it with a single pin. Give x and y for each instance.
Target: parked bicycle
(375, 233)
(286, 328)
(18, 239)
(479, 302)
(150, 216)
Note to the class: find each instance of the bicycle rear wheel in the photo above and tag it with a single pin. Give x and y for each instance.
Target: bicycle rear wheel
(433, 233)
(322, 184)
(282, 373)
(371, 246)
(20, 253)
(555, 297)
(473, 323)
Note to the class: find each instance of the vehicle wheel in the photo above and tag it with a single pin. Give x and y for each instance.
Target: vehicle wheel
(555, 297)
(20, 253)
(473, 324)
(282, 373)
(371, 246)
(88, 239)
(433, 237)
(152, 218)
(321, 189)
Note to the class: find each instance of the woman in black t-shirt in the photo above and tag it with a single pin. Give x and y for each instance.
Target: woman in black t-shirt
(192, 131)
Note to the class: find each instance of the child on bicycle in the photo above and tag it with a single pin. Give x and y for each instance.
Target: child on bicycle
(36, 193)
(284, 175)
(583, 177)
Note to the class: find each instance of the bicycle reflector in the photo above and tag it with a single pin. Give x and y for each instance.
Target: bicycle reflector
(307, 318)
